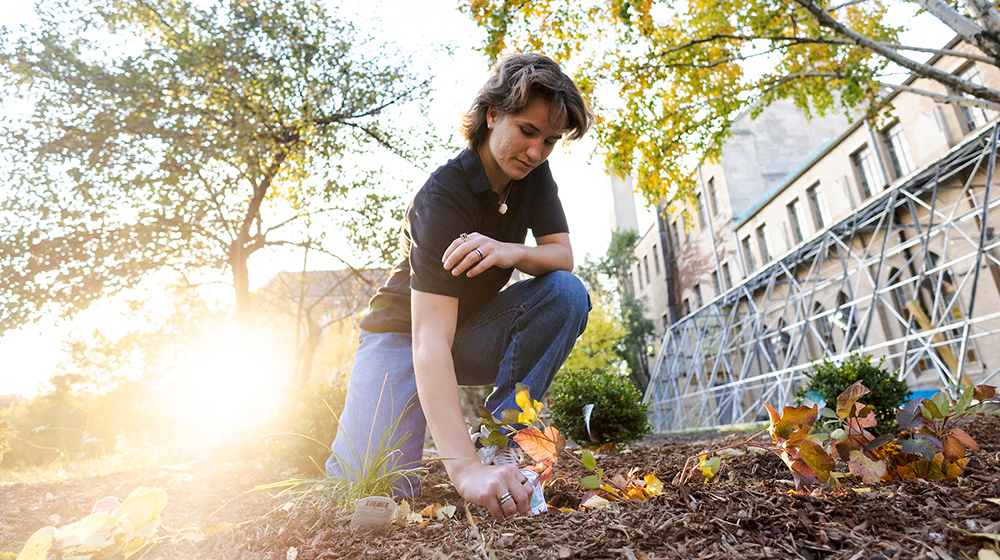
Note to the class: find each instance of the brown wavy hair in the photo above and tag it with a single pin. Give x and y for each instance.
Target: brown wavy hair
(516, 80)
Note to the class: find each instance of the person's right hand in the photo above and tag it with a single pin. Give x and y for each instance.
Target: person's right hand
(486, 485)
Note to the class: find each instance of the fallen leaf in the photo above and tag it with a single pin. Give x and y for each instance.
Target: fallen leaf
(38, 546)
(430, 510)
(565, 552)
(595, 502)
(987, 554)
(445, 512)
(292, 553)
(654, 486)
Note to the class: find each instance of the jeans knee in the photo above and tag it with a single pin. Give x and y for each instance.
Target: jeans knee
(570, 292)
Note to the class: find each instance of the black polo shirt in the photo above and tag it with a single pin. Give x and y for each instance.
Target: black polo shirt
(456, 199)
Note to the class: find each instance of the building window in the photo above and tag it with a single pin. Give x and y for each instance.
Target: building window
(726, 276)
(645, 266)
(763, 244)
(748, 256)
(638, 273)
(974, 116)
(713, 201)
(715, 283)
(677, 232)
(899, 150)
(656, 260)
(816, 206)
(794, 222)
(701, 211)
(685, 307)
(698, 297)
(867, 173)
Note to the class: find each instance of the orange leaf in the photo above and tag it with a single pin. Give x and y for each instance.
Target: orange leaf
(966, 440)
(953, 448)
(541, 446)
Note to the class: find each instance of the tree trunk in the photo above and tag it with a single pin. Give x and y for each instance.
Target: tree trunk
(241, 286)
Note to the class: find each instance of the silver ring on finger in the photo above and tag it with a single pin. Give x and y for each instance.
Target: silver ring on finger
(506, 498)
(481, 257)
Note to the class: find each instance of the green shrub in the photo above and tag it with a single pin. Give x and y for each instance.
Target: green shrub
(618, 416)
(888, 393)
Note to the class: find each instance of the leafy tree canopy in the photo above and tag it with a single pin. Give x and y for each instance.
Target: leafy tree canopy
(667, 78)
(167, 135)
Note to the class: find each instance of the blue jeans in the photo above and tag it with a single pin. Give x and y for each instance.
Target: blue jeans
(522, 336)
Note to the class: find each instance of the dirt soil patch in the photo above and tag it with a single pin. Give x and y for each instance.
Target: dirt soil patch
(747, 511)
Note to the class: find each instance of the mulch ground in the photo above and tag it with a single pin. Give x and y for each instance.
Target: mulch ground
(747, 511)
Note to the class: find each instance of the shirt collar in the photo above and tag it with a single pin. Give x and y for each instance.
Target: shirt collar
(475, 171)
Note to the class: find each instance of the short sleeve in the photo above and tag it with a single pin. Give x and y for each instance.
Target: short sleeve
(546, 215)
(433, 221)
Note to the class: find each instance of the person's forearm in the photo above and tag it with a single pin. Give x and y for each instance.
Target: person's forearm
(543, 259)
(439, 397)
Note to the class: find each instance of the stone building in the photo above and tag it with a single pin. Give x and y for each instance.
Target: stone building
(817, 239)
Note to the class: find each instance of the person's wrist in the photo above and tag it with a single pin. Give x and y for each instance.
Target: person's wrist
(458, 467)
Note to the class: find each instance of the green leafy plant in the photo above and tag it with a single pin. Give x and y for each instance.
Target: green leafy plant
(886, 392)
(545, 444)
(935, 451)
(594, 408)
(938, 447)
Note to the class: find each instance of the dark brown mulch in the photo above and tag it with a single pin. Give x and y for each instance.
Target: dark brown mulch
(748, 511)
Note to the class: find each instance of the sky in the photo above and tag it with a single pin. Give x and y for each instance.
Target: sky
(31, 355)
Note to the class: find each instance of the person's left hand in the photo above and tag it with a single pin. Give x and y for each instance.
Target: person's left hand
(474, 253)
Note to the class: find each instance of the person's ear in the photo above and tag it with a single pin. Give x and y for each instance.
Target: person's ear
(491, 117)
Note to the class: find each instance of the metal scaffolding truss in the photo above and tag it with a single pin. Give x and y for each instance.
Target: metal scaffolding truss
(911, 275)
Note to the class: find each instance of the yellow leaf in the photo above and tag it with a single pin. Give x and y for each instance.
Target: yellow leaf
(862, 490)
(88, 535)
(402, 513)
(142, 509)
(654, 486)
(430, 510)
(986, 554)
(38, 546)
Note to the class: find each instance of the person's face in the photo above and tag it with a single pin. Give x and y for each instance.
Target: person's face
(519, 142)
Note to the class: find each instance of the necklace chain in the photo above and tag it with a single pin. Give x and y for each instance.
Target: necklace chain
(503, 203)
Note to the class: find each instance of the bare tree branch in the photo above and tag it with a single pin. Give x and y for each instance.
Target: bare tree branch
(947, 99)
(924, 70)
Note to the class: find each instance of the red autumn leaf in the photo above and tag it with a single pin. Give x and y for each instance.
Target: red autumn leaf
(845, 447)
(803, 474)
(541, 446)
